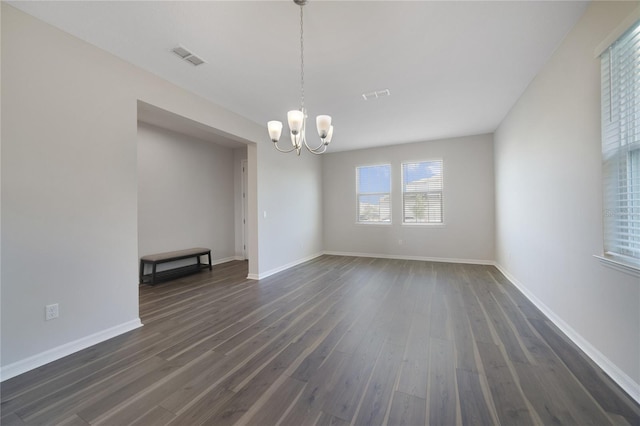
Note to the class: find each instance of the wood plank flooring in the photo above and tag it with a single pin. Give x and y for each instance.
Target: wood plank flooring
(335, 341)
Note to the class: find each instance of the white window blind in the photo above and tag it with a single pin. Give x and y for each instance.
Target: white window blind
(620, 66)
(373, 185)
(422, 192)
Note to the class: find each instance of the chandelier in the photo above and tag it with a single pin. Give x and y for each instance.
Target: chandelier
(297, 119)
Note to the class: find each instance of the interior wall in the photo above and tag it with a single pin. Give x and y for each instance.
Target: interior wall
(549, 210)
(68, 193)
(0, 180)
(468, 231)
(290, 213)
(186, 195)
(69, 188)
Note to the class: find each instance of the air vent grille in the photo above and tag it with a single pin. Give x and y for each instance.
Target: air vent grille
(188, 56)
(376, 94)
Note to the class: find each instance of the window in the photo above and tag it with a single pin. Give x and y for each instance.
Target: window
(374, 193)
(422, 192)
(620, 66)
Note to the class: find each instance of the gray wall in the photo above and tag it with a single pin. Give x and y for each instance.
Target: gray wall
(186, 194)
(293, 222)
(468, 231)
(69, 190)
(549, 202)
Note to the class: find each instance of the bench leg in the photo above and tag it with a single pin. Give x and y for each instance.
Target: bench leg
(153, 274)
(209, 260)
(141, 270)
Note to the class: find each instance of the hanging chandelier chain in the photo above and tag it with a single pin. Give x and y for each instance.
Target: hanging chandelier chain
(298, 119)
(301, 58)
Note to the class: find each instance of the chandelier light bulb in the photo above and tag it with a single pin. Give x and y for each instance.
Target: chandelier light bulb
(329, 136)
(295, 119)
(323, 123)
(275, 130)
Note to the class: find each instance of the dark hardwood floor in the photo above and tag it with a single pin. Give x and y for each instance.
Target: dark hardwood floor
(338, 340)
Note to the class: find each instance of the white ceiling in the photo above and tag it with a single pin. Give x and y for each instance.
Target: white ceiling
(453, 68)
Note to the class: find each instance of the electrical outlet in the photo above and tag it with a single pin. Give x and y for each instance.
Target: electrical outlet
(51, 312)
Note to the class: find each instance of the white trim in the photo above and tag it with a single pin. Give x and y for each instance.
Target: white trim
(612, 263)
(405, 257)
(375, 255)
(225, 260)
(617, 32)
(618, 376)
(38, 360)
(425, 224)
(283, 267)
(244, 173)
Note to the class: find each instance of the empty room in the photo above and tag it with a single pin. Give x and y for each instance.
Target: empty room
(177, 249)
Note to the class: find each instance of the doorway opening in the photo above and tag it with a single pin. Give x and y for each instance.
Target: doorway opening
(192, 188)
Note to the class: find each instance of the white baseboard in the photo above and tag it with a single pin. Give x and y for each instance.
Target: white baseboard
(619, 376)
(38, 360)
(382, 256)
(225, 260)
(283, 267)
(404, 257)
(612, 370)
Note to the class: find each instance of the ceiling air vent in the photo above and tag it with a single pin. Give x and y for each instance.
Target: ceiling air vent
(376, 94)
(188, 56)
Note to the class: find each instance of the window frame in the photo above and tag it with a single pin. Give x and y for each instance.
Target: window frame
(441, 223)
(620, 156)
(359, 194)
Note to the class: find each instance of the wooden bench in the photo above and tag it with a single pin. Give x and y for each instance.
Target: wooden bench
(171, 256)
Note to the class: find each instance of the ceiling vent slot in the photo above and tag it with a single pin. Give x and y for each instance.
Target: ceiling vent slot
(376, 94)
(188, 56)
(194, 60)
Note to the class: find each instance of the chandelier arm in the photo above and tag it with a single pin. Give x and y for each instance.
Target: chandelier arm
(275, 144)
(318, 152)
(316, 149)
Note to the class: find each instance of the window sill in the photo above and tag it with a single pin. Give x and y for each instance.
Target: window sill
(374, 223)
(426, 225)
(619, 264)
